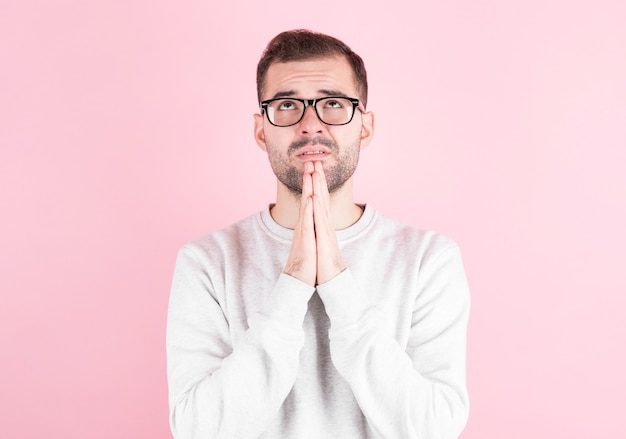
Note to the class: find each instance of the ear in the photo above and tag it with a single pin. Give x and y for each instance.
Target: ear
(259, 132)
(367, 129)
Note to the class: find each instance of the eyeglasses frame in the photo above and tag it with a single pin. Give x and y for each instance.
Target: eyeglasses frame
(312, 102)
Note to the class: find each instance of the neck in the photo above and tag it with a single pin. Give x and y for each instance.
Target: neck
(343, 211)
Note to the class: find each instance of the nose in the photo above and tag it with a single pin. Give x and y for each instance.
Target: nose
(310, 123)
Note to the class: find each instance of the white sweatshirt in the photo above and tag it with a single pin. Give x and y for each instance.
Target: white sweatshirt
(376, 352)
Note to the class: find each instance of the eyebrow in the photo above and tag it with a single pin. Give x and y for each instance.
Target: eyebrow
(291, 93)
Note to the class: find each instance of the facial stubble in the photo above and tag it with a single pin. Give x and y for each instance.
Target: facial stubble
(336, 175)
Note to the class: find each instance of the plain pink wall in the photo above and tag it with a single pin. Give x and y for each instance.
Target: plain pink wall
(126, 130)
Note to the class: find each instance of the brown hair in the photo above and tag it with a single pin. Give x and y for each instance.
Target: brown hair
(303, 44)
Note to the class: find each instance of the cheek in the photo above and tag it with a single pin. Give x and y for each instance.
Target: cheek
(349, 137)
(279, 138)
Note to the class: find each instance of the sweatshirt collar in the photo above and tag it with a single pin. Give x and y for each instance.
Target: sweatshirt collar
(281, 233)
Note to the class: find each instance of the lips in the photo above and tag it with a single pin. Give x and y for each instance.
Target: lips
(312, 156)
(313, 151)
(312, 148)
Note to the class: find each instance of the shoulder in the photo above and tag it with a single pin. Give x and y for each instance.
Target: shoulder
(434, 258)
(426, 244)
(223, 241)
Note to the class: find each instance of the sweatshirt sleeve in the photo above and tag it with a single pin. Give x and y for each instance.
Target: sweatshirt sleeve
(417, 391)
(221, 389)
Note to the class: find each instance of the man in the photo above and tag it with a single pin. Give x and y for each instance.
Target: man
(317, 317)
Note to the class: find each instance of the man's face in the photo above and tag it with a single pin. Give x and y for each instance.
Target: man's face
(337, 147)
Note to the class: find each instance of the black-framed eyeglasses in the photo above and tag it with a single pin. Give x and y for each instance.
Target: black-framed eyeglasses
(332, 110)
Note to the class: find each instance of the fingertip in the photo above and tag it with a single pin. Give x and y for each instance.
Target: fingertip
(307, 183)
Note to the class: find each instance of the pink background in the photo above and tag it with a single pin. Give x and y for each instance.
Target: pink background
(126, 130)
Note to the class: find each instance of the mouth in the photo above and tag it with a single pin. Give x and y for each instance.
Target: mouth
(312, 149)
(312, 153)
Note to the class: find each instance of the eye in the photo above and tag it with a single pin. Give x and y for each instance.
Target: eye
(333, 103)
(286, 105)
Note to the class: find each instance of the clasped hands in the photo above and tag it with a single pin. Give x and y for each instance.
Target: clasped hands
(314, 257)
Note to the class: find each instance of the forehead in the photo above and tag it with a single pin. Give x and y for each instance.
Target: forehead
(310, 78)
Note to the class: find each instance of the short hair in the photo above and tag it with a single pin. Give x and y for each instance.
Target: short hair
(303, 44)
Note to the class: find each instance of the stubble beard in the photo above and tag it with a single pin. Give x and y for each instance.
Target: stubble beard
(336, 175)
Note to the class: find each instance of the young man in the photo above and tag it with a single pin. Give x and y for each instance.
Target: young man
(317, 317)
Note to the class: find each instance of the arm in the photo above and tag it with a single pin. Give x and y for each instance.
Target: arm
(413, 392)
(222, 389)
